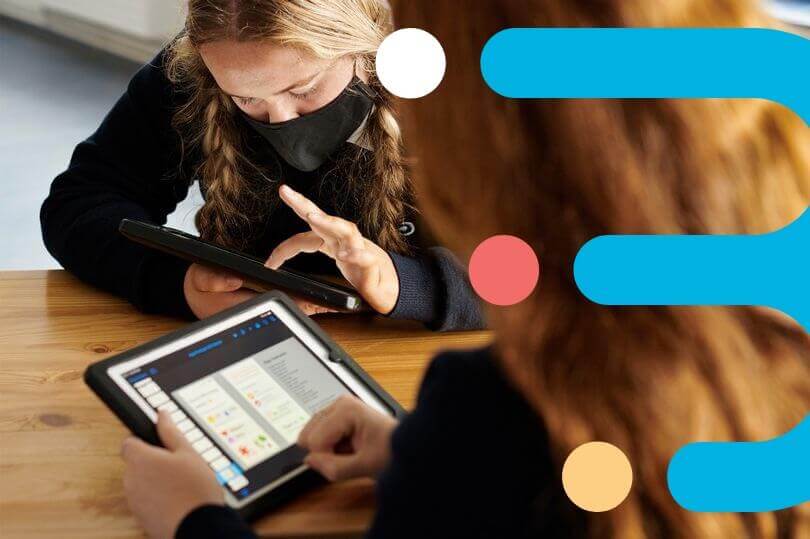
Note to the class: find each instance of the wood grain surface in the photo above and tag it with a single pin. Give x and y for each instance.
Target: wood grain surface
(60, 468)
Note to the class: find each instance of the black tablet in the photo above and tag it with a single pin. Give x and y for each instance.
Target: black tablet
(240, 385)
(257, 277)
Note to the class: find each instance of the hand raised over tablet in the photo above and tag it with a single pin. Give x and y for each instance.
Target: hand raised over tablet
(362, 262)
(348, 439)
(163, 485)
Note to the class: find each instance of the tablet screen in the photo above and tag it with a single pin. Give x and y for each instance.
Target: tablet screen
(240, 395)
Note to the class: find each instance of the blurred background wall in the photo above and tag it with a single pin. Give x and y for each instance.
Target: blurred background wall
(130, 28)
(63, 64)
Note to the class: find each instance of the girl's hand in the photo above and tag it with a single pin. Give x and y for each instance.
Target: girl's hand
(162, 486)
(209, 291)
(363, 263)
(348, 439)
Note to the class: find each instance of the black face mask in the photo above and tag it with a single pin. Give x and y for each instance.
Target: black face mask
(307, 142)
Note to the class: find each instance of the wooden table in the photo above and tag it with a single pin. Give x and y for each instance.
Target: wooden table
(60, 470)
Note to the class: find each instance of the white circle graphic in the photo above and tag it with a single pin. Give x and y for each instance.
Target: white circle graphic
(411, 63)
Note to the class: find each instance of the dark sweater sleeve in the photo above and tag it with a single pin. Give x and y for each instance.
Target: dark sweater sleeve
(128, 168)
(416, 492)
(214, 522)
(434, 289)
(469, 460)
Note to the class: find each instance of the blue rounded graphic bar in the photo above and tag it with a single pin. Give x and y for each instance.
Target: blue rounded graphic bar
(771, 270)
(743, 476)
(650, 63)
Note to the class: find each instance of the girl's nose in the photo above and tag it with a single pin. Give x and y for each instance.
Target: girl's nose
(280, 112)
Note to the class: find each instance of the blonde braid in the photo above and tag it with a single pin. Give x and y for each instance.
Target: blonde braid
(224, 211)
(388, 196)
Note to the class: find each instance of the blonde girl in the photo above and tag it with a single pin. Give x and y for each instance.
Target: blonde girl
(274, 108)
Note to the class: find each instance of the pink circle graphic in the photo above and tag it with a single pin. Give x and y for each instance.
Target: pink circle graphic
(504, 270)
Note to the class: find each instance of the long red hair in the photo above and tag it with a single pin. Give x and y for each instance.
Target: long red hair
(557, 173)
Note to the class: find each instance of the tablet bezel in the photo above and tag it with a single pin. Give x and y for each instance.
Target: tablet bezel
(106, 377)
(257, 277)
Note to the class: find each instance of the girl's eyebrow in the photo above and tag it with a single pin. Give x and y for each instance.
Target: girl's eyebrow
(303, 81)
(306, 80)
